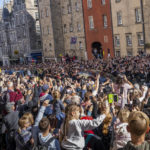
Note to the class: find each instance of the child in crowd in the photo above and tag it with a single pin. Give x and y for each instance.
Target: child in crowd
(122, 136)
(73, 128)
(23, 137)
(105, 130)
(45, 138)
(58, 108)
(138, 124)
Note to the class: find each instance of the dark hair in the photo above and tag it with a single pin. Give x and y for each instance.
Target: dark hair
(43, 125)
(53, 121)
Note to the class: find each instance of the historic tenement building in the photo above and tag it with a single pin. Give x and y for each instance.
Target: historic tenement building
(46, 29)
(62, 28)
(73, 28)
(145, 5)
(21, 21)
(127, 27)
(4, 44)
(25, 22)
(1, 13)
(98, 28)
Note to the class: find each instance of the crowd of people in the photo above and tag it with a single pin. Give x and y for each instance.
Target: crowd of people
(76, 105)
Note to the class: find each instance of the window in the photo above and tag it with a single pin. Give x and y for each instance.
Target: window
(71, 27)
(77, 6)
(46, 11)
(103, 2)
(89, 3)
(63, 10)
(138, 15)
(38, 29)
(140, 51)
(50, 46)
(129, 52)
(119, 18)
(41, 13)
(117, 53)
(65, 28)
(78, 27)
(105, 39)
(69, 9)
(35, 3)
(24, 32)
(39, 43)
(129, 39)
(23, 18)
(48, 30)
(140, 39)
(80, 45)
(91, 22)
(17, 20)
(36, 15)
(117, 1)
(43, 31)
(105, 21)
(117, 40)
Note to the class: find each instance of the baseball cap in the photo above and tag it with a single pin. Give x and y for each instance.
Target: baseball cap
(45, 87)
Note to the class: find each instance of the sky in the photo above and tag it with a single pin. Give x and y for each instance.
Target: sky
(1, 3)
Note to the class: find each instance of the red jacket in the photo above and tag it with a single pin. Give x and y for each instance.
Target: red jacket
(14, 96)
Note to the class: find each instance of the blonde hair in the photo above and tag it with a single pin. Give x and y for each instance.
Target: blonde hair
(102, 106)
(56, 95)
(123, 115)
(30, 117)
(107, 121)
(69, 116)
(138, 123)
(22, 121)
(136, 94)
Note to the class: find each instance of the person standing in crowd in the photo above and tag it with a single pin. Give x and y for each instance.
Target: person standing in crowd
(10, 125)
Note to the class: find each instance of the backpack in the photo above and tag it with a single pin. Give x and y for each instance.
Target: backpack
(19, 140)
(44, 146)
(4, 98)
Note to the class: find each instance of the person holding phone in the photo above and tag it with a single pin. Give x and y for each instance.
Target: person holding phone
(121, 87)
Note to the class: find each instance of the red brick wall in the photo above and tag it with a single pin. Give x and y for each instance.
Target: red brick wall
(98, 33)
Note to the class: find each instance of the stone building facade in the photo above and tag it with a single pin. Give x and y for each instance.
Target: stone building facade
(73, 28)
(46, 29)
(1, 13)
(62, 28)
(4, 43)
(21, 21)
(127, 27)
(25, 22)
(146, 23)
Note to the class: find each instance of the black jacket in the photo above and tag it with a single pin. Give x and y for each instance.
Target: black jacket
(10, 122)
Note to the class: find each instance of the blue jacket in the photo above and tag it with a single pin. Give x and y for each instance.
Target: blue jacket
(58, 106)
(53, 145)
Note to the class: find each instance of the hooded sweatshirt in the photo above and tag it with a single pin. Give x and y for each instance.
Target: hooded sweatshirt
(74, 140)
(144, 146)
(53, 145)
